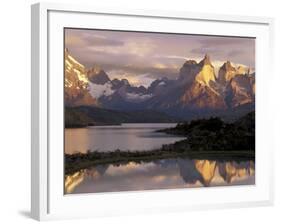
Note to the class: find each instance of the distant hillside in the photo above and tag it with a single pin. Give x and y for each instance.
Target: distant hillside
(84, 115)
(75, 118)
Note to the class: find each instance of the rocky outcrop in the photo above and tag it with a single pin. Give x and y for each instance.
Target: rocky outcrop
(239, 91)
(76, 83)
(97, 75)
(201, 94)
(226, 72)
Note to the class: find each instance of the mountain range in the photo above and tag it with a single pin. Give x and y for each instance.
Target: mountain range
(197, 92)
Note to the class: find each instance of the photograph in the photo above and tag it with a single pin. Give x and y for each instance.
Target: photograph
(153, 111)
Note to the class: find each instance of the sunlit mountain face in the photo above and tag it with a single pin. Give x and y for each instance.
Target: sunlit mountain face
(161, 174)
(197, 88)
(76, 83)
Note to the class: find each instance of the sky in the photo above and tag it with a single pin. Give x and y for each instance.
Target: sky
(143, 57)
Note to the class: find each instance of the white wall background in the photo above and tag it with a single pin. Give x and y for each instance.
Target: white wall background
(15, 110)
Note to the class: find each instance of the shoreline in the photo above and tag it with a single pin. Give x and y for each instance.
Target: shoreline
(78, 161)
(67, 126)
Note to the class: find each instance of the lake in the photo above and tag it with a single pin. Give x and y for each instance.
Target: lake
(161, 174)
(157, 174)
(124, 137)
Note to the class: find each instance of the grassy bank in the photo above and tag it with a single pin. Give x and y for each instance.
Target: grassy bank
(78, 161)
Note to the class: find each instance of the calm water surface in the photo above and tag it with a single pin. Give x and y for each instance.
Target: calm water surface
(158, 174)
(124, 137)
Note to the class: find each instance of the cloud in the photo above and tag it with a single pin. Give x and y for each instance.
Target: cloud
(130, 48)
(236, 49)
(179, 57)
(223, 41)
(146, 56)
(206, 50)
(75, 38)
(135, 97)
(148, 70)
(235, 53)
(96, 40)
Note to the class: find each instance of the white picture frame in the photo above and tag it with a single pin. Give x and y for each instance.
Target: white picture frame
(48, 201)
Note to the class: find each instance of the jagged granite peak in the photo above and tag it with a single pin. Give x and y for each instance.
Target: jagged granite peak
(75, 73)
(202, 72)
(142, 88)
(116, 83)
(242, 70)
(190, 62)
(239, 91)
(205, 61)
(76, 83)
(71, 63)
(125, 82)
(227, 66)
(198, 92)
(226, 72)
(188, 71)
(199, 96)
(97, 75)
(206, 73)
(159, 85)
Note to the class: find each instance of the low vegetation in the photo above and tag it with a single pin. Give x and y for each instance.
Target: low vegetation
(213, 134)
(78, 161)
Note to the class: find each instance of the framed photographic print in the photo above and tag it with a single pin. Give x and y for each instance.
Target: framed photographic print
(148, 111)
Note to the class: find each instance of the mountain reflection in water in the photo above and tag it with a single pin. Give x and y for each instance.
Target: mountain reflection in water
(160, 174)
